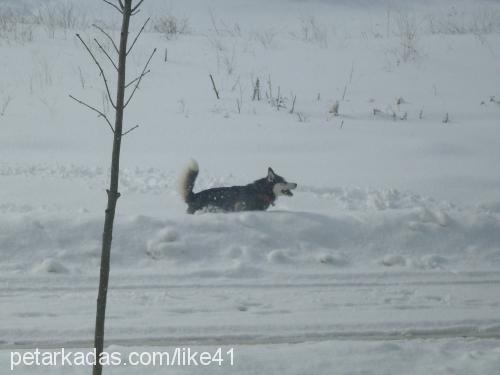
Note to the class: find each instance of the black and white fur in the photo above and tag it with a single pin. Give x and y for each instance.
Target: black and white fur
(257, 196)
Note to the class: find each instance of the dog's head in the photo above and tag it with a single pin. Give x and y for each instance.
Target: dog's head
(280, 185)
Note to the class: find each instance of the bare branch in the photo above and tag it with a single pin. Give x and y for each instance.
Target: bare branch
(121, 4)
(104, 51)
(131, 129)
(137, 6)
(100, 69)
(138, 34)
(140, 78)
(100, 114)
(135, 79)
(106, 34)
(134, 13)
(114, 6)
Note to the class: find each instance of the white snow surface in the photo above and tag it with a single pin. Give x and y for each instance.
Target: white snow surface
(385, 261)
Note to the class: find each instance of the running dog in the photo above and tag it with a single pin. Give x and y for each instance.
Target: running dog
(257, 196)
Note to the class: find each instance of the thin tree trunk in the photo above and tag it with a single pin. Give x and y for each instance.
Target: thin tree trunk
(113, 193)
(126, 10)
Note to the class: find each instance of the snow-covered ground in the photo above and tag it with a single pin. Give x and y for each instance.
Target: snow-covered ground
(386, 259)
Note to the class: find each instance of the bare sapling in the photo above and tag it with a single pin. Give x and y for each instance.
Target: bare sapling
(280, 101)
(124, 94)
(214, 87)
(293, 103)
(256, 90)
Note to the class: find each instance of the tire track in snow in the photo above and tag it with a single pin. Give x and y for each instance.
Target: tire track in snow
(166, 286)
(246, 339)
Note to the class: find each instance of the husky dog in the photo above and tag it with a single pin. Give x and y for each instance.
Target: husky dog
(257, 196)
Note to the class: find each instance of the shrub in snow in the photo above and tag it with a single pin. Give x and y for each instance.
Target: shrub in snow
(407, 31)
(483, 20)
(266, 37)
(334, 109)
(62, 16)
(15, 26)
(171, 26)
(312, 31)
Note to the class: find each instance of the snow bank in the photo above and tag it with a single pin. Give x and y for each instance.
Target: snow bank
(253, 244)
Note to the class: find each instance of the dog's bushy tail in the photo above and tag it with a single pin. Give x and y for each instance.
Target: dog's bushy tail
(186, 182)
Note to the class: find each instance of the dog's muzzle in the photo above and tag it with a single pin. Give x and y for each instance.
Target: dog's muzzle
(288, 190)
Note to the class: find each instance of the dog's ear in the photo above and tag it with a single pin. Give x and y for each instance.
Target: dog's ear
(270, 174)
